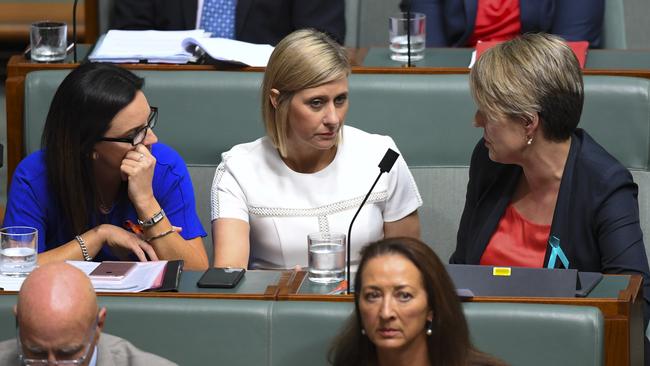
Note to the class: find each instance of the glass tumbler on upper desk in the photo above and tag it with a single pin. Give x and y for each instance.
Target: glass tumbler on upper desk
(48, 41)
(399, 36)
(18, 250)
(326, 257)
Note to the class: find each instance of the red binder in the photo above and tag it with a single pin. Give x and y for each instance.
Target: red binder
(579, 49)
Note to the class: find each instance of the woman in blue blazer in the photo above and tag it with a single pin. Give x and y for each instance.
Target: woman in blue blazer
(541, 192)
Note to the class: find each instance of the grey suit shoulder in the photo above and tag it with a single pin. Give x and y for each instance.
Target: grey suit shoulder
(112, 351)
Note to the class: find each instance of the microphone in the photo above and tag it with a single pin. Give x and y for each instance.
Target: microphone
(74, 31)
(385, 166)
(405, 6)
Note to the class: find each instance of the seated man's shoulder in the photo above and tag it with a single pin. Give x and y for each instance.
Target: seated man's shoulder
(9, 352)
(121, 352)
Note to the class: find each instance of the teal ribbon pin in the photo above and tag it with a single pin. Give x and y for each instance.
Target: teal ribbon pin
(556, 251)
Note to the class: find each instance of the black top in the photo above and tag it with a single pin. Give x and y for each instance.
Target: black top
(596, 215)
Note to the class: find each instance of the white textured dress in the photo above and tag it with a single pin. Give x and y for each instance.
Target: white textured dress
(282, 206)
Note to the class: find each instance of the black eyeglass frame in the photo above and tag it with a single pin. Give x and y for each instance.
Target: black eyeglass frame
(151, 123)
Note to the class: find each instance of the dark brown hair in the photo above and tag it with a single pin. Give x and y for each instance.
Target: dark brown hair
(80, 114)
(449, 343)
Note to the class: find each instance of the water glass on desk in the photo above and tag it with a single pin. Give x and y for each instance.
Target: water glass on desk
(48, 41)
(326, 257)
(398, 26)
(18, 250)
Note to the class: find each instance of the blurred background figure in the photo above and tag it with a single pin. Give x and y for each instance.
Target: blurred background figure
(58, 320)
(462, 23)
(310, 173)
(262, 21)
(102, 187)
(406, 312)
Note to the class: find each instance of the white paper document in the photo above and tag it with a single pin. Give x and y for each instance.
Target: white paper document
(150, 45)
(141, 278)
(229, 50)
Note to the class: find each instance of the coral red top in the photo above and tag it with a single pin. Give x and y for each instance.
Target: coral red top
(517, 242)
(496, 20)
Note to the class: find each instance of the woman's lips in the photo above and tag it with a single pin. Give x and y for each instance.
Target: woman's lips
(388, 332)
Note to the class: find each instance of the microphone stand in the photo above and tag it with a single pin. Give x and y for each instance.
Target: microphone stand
(74, 31)
(385, 165)
(408, 35)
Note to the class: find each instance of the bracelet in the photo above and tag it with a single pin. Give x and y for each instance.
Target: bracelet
(84, 249)
(160, 235)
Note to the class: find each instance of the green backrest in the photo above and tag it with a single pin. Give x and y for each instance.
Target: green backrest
(614, 25)
(286, 333)
(203, 113)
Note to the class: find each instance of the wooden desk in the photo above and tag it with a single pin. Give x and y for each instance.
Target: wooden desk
(617, 296)
(374, 61)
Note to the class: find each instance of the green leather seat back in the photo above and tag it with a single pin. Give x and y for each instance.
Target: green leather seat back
(302, 332)
(535, 334)
(193, 331)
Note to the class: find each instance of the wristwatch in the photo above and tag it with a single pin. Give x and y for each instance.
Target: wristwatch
(153, 220)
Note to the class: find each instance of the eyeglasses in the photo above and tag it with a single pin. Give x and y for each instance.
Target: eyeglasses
(140, 134)
(61, 358)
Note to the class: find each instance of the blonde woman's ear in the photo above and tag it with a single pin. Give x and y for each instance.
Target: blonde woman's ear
(273, 97)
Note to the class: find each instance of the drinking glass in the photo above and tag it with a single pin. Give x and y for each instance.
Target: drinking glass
(326, 257)
(18, 250)
(398, 26)
(48, 41)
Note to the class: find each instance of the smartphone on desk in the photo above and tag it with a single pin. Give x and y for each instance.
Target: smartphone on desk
(221, 277)
(112, 271)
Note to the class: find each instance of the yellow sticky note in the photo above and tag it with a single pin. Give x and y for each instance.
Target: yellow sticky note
(501, 271)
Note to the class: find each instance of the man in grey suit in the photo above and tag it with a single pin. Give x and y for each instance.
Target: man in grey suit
(58, 319)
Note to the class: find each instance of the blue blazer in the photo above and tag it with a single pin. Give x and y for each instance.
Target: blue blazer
(596, 215)
(451, 22)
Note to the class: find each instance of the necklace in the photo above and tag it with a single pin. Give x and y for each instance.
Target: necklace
(103, 207)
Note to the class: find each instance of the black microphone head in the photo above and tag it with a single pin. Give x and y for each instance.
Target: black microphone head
(405, 5)
(388, 160)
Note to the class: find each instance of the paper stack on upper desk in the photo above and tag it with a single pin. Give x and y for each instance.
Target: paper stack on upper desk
(177, 47)
(150, 46)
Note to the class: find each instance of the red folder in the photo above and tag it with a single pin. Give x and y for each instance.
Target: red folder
(579, 49)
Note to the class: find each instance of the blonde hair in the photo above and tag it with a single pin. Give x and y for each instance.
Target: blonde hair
(531, 74)
(304, 59)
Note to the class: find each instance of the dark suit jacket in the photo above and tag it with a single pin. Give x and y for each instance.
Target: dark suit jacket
(451, 22)
(596, 215)
(256, 21)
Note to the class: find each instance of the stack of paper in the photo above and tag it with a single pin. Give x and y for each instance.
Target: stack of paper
(146, 275)
(150, 46)
(228, 50)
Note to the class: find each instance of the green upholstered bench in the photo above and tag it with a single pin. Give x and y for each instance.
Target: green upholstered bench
(203, 113)
(286, 333)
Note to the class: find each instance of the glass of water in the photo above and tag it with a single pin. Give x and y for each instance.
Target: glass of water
(17, 250)
(326, 257)
(398, 26)
(48, 41)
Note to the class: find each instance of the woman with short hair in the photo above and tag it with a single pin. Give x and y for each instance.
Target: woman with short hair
(310, 173)
(542, 192)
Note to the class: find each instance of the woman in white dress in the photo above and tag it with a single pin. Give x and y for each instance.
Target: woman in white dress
(309, 174)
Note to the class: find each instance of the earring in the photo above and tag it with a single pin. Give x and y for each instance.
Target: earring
(363, 331)
(529, 141)
(95, 155)
(429, 331)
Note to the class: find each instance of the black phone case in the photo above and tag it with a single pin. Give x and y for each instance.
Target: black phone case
(220, 278)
